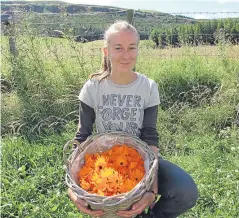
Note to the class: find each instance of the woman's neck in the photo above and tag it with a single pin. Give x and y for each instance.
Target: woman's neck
(123, 78)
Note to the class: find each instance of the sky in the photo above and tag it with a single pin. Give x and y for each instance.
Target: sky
(211, 8)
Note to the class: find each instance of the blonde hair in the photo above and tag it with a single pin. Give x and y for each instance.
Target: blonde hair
(116, 27)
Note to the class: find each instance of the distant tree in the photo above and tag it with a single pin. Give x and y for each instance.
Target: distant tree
(172, 37)
(38, 8)
(182, 36)
(155, 37)
(162, 38)
(197, 34)
(234, 34)
(53, 8)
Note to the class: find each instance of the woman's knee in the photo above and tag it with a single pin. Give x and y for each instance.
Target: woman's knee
(187, 195)
(177, 184)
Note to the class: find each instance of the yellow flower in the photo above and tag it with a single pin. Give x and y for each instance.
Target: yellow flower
(115, 181)
(107, 172)
(101, 163)
(100, 192)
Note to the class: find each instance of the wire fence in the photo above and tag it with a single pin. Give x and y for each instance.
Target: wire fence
(96, 23)
(158, 30)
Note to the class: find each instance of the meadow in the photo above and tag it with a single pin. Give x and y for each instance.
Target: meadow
(197, 121)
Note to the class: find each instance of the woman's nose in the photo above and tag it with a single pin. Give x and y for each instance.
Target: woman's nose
(125, 54)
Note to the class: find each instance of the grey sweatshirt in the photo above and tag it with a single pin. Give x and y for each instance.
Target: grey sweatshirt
(131, 108)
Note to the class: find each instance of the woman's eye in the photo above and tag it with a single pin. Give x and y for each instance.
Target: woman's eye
(118, 49)
(132, 48)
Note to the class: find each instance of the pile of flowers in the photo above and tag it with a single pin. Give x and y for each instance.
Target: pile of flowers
(115, 171)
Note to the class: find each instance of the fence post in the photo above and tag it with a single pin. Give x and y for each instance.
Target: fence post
(130, 14)
(12, 37)
(9, 21)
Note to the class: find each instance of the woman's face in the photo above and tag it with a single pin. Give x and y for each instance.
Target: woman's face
(122, 51)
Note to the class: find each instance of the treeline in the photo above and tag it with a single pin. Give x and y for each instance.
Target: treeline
(203, 32)
(88, 26)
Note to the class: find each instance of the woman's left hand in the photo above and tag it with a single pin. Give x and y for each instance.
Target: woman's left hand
(137, 208)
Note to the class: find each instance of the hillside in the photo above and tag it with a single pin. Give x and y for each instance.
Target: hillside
(92, 16)
(58, 7)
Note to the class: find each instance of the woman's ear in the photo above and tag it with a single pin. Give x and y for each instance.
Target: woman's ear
(105, 50)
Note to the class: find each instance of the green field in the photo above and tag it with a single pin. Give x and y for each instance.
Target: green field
(197, 122)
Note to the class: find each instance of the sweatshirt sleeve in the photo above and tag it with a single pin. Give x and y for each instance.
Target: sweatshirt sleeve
(149, 132)
(87, 93)
(154, 98)
(86, 121)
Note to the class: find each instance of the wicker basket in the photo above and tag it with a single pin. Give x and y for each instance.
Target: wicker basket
(101, 142)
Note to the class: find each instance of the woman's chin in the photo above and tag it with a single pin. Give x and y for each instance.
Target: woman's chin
(125, 70)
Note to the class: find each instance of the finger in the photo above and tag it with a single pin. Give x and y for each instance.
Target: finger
(77, 200)
(81, 202)
(136, 206)
(92, 212)
(86, 209)
(82, 205)
(126, 216)
(132, 212)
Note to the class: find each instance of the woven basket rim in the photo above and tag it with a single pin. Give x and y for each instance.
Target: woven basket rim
(137, 191)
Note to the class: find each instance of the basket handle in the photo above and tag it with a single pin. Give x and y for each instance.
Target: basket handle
(65, 148)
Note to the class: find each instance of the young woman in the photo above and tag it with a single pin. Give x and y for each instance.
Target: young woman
(119, 99)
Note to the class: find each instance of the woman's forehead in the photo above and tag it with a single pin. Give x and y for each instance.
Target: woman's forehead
(123, 37)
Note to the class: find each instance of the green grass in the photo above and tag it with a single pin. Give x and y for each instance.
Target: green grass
(197, 121)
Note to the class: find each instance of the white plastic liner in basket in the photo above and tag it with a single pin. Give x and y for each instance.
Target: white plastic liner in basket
(100, 143)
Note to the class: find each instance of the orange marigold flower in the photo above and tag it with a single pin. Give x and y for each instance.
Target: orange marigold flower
(89, 160)
(89, 157)
(85, 185)
(137, 159)
(102, 184)
(141, 168)
(136, 175)
(119, 150)
(121, 161)
(134, 157)
(124, 172)
(133, 165)
(124, 150)
(133, 151)
(127, 186)
(84, 171)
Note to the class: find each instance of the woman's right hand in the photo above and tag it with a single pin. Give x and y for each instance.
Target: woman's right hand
(82, 205)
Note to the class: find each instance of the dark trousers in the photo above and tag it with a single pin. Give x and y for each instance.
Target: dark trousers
(177, 189)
